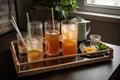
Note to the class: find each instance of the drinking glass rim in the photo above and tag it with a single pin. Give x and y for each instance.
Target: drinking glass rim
(68, 22)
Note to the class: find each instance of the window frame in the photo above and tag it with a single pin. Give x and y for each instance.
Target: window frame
(11, 11)
(97, 8)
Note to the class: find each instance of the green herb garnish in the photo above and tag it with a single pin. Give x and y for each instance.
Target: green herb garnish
(101, 46)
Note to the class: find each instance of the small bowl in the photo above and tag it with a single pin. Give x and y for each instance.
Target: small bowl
(84, 44)
(88, 44)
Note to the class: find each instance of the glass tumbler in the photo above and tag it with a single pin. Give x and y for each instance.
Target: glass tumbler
(21, 47)
(35, 49)
(69, 39)
(52, 37)
(94, 39)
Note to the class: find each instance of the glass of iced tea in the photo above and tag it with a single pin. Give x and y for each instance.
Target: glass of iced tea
(21, 47)
(69, 39)
(52, 37)
(35, 50)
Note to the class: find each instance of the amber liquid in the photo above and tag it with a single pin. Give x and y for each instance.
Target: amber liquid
(51, 62)
(53, 43)
(69, 42)
(22, 49)
(69, 47)
(34, 55)
(52, 46)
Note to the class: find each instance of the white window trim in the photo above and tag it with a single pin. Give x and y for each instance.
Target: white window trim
(98, 16)
(98, 13)
(101, 6)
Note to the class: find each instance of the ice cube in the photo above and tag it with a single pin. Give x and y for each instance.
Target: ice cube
(72, 35)
(34, 43)
(73, 27)
(65, 28)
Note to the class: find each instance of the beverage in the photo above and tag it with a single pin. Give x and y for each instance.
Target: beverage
(52, 38)
(34, 54)
(35, 51)
(69, 40)
(35, 45)
(21, 47)
(51, 62)
(53, 42)
(69, 47)
(52, 46)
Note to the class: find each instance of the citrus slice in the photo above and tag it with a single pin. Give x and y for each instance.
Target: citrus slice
(90, 49)
(68, 47)
(34, 54)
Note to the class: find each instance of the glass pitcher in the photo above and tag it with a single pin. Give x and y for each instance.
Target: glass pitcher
(83, 31)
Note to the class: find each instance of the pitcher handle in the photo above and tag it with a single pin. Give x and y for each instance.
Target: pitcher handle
(89, 28)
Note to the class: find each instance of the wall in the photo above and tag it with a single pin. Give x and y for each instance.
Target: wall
(5, 40)
(35, 12)
(22, 7)
(109, 31)
(107, 27)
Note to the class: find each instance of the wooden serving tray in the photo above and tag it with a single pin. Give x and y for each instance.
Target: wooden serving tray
(21, 64)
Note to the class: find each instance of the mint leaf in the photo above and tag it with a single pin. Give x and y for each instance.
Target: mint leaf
(101, 46)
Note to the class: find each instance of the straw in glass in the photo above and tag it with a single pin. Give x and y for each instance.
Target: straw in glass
(53, 24)
(29, 27)
(18, 31)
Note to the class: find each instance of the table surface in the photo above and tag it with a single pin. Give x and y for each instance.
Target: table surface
(95, 71)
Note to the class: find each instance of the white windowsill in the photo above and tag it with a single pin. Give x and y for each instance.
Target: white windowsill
(98, 16)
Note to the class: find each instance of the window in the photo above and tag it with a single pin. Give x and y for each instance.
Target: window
(111, 7)
(104, 3)
(7, 9)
